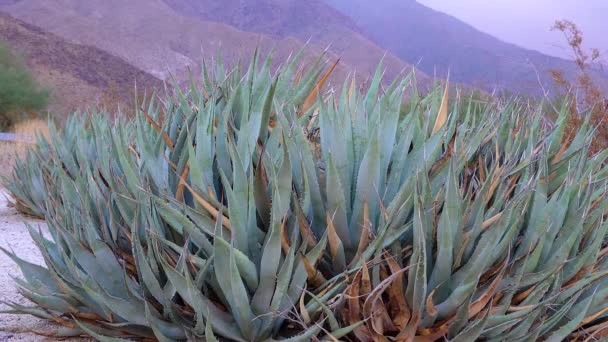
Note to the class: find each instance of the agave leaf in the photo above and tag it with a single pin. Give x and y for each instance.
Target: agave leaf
(442, 116)
(367, 186)
(447, 235)
(417, 283)
(242, 309)
(158, 129)
(237, 196)
(307, 335)
(269, 266)
(132, 179)
(312, 97)
(33, 273)
(55, 303)
(572, 324)
(221, 322)
(262, 199)
(473, 332)
(559, 314)
(339, 333)
(163, 330)
(283, 280)
(130, 310)
(317, 210)
(304, 270)
(337, 205)
(147, 275)
(335, 245)
(97, 336)
(372, 94)
(267, 110)
(18, 309)
(307, 82)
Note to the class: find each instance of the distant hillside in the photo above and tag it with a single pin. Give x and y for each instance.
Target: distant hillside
(436, 42)
(312, 20)
(77, 75)
(166, 37)
(273, 17)
(164, 41)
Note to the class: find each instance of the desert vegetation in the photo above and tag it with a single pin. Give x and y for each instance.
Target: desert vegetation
(21, 97)
(589, 97)
(257, 207)
(22, 100)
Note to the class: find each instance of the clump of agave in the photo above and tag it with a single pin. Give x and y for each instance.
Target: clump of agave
(251, 208)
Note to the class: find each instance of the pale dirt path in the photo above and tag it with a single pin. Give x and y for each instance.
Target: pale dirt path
(14, 235)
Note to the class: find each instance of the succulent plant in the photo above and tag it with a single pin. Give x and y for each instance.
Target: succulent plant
(508, 244)
(252, 208)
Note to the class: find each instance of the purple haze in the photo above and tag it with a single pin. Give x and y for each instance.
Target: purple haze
(527, 22)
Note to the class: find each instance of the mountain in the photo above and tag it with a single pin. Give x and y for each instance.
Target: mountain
(436, 42)
(166, 38)
(282, 18)
(312, 20)
(77, 75)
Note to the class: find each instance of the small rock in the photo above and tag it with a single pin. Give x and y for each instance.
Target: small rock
(5, 337)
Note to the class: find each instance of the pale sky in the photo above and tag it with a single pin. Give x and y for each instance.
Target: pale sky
(527, 22)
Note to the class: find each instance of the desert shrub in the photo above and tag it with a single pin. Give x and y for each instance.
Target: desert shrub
(589, 98)
(257, 210)
(20, 94)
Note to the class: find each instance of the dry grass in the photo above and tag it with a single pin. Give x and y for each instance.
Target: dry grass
(32, 127)
(10, 150)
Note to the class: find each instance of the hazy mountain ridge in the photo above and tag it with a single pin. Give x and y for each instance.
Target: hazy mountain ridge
(77, 75)
(273, 17)
(153, 36)
(437, 42)
(310, 20)
(166, 37)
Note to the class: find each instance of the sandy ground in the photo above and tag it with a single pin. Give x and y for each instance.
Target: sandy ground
(14, 235)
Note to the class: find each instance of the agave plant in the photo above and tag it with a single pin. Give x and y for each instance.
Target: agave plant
(505, 244)
(470, 224)
(28, 203)
(155, 228)
(252, 208)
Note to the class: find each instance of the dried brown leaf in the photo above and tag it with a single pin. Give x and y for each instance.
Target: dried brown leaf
(312, 97)
(442, 117)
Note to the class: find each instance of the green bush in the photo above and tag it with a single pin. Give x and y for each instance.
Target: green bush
(255, 211)
(20, 94)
